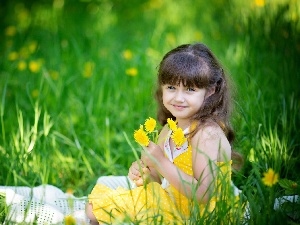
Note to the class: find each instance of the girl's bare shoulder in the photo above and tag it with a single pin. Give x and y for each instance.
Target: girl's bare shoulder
(209, 131)
(210, 138)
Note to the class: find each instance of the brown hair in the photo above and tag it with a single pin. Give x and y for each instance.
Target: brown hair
(196, 65)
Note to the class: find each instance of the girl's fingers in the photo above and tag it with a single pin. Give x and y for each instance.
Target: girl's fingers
(139, 182)
(146, 170)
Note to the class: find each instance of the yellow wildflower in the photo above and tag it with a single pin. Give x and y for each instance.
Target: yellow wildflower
(32, 46)
(172, 124)
(131, 71)
(35, 66)
(24, 52)
(10, 31)
(150, 124)
(140, 136)
(69, 220)
(70, 191)
(13, 56)
(88, 69)
(259, 3)
(22, 65)
(127, 54)
(270, 178)
(178, 137)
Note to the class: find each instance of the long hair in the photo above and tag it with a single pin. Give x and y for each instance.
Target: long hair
(195, 65)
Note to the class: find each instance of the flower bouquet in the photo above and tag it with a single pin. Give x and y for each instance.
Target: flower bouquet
(148, 132)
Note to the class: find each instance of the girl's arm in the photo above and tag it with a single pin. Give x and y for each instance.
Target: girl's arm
(209, 140)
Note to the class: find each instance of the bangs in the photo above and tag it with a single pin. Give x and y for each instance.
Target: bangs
(191, 70)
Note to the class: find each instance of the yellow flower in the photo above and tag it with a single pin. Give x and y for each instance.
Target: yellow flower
(178, 137)
(24, 53)
(259, 3)
(32, 46)
(172, 124)
(270, 178)
(70, 191)
(150, 124)
(22, 65)
(69, 220)
(131, 71)
(88, 69)
(10, 31)
(127, 54)
(140, 136)
(13, 56)
(54, 74)
(35, 66)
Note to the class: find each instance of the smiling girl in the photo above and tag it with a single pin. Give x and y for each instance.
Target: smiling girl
(192, 90)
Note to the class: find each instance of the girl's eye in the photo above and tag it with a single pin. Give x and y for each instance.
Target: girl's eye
(190, 89)
(170, 87)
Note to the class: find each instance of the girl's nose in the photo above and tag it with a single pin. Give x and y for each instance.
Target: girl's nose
(179, 97)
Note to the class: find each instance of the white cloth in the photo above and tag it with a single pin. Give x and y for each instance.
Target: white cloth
(45, 204)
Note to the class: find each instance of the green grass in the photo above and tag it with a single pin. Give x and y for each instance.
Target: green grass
(70, 121)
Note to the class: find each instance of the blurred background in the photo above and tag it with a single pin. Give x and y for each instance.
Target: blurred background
(77, 78)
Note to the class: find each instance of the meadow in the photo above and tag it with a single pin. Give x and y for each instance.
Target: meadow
(78, 77)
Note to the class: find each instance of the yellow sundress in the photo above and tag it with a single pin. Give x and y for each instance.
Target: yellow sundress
(155, 203)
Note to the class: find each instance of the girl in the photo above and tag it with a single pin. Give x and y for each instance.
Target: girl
(188, 179)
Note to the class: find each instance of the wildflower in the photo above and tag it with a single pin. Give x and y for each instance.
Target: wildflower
(69, 191)
(88, 69)
(10, 31)
(35, 66)
(172, 124)
(140, 136)
(69, 220)
(24, 52)
(13, 56)
(32, 46)
(22, 65)
(270, 178)
(178, 137)
(150, 124)
(127, 54)
(259, 3)
(131, 71)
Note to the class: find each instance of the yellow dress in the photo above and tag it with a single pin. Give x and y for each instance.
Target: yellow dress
(155, 203)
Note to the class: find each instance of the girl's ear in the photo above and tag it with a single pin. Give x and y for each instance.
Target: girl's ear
(210, 91)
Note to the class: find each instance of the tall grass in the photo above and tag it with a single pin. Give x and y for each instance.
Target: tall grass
(76, 78)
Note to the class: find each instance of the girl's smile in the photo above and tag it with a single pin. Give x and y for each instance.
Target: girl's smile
(182, 101)
(179, 107)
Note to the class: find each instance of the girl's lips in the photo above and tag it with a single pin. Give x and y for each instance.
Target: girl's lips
(180, 107)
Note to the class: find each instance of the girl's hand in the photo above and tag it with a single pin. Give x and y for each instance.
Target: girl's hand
(138, 173)
(152, 155)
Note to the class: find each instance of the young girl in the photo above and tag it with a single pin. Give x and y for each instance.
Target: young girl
(188, 179)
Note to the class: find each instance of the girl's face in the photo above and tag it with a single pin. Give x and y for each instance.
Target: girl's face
(182, 102)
